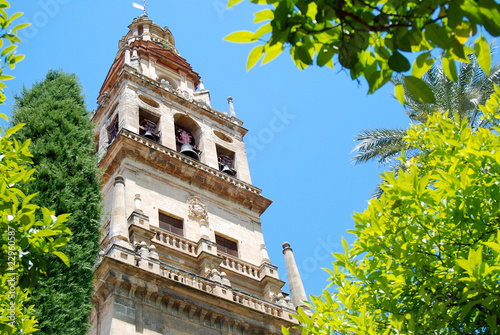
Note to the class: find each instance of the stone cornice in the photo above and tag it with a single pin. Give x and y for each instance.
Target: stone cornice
(128, 144)
(127, 72)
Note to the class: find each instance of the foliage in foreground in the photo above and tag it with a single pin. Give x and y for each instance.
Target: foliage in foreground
(373, 38)
(464, 96)
(67, 181)
(426, 259)
(27, 232)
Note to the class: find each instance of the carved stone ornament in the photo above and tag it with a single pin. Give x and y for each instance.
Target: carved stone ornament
(197, 209)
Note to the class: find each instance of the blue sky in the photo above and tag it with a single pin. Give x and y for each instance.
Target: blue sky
(301, 123)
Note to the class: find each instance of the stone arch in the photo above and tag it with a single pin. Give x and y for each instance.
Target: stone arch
(184, 122)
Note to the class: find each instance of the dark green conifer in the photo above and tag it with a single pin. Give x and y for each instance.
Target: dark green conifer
(67, 181)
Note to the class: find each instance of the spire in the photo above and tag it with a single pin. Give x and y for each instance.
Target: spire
(294, 281)
(231, 107)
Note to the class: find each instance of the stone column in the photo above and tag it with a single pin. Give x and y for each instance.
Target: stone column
(118, 213)
(127, 54)
(232, 113)
(294, 281)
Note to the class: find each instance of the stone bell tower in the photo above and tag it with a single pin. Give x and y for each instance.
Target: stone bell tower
(183, 250)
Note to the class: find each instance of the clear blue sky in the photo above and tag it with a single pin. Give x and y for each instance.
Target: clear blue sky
(301, 123)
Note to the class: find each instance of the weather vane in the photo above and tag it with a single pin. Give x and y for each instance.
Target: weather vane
(141, 7)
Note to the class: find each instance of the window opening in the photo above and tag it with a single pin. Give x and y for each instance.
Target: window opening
(226, 246)
(170, 224)
(226, 161)
(113, 130)
(186, 144)
(148, 125)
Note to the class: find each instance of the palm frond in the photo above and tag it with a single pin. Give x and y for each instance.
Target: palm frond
(380, 145)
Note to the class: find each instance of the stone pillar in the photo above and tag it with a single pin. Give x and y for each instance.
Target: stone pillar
(264, 255)
(127, 54)
(294, 281)
(232, 113)
(118, 213)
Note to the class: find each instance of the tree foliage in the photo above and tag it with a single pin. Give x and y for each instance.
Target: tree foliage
(426, 259)
(67, 180)
(472, 88)
(372, 39)
(27, 232)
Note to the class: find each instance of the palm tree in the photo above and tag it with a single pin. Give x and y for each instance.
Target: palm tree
(463, 96)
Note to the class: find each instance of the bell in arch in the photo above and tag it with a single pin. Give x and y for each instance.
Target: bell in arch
(228, 170)
(149, 135)
(187, 149)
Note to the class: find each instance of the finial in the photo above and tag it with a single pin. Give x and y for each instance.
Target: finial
(141, 7)
(202, 87)
(231, 107)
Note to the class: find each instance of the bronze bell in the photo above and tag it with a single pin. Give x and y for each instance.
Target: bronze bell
(187, 149)
(228, 170)
(149, 135)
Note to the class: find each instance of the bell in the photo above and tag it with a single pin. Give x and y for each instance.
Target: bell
(187, 149)
(228, 170)
(148, 134)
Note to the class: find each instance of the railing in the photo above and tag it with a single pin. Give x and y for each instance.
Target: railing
(188, 279)
(209, 286)
(239, 266)
(258, 304)
(173, 241)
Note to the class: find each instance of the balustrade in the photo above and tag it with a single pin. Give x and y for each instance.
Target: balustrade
(239, 266)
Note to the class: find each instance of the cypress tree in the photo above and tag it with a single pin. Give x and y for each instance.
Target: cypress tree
(67, 181)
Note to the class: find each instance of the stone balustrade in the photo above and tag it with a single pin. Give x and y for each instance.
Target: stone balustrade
(226, 292)
(258, 304)
(237, 265)
(173, 241)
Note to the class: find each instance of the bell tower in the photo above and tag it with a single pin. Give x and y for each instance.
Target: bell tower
(182, 246)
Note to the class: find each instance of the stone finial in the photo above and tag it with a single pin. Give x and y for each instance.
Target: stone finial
(294, 281)
(152, 252)
(202, 87)
(232, 113)
(225, 279)
(264, 255)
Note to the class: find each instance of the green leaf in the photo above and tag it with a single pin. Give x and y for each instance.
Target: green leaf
(240, 37)
(483, 54)
(419, 89)
(398, 62)
(438, 35)
(490, 15)
(8, 50)
(271, 52)
(231, 3)
(254, 56)
(263, 15)
(325, 55)
(20, 26)
(62, 256)
(264, 29)
(304, 55)
(399, 92)
(450, 68)
(422, 64)
(6, 77)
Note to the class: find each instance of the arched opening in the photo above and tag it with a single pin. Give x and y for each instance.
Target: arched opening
(187, 136)
(225, 160)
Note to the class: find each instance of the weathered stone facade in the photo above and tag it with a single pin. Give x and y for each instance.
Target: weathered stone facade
(183, 250)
